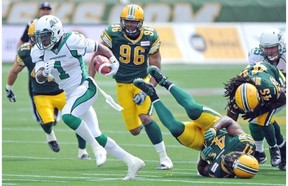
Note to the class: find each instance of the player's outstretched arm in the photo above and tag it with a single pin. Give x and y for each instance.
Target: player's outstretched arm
(232, 127)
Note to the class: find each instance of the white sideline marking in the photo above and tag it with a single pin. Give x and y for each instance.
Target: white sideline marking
(95, 178)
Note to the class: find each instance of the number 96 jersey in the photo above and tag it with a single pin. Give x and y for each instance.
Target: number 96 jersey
(132, 55)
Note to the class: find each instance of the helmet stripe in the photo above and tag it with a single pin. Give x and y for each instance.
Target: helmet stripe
(247, 169)
(244, 97)
(131, 11)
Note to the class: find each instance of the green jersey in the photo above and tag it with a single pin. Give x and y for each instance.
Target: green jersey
(23, 58)
(133, 55)
(268, 80)
(223, 144)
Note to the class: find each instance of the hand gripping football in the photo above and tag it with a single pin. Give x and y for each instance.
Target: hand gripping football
(102, 64)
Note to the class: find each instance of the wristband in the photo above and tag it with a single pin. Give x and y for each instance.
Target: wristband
(8, 87)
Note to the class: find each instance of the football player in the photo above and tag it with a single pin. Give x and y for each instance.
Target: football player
(136, 47)
(61, 55)
(215, 142)
(272, 49)
(44, 9)
(258, 92)
(47, 97)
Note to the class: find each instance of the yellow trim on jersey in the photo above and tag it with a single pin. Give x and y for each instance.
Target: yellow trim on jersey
(136, 40)
(155, 46)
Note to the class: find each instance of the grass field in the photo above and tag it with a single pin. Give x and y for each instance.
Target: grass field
(27, 159)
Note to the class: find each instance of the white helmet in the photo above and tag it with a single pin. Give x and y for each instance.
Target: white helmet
(272, 43)
(48, 32)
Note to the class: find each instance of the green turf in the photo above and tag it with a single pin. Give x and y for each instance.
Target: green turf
(27, 159)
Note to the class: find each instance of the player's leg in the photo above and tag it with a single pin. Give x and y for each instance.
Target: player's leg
(257, 134)
(264, 120)
(59, 102)
(34, 110)
(188, 134)
(282, 145)
(192, 108)
(78, 102)
(134, 115)
(134, 163)
(45, 110)
(166, 117)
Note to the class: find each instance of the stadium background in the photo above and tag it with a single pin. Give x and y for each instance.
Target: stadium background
(204, 43)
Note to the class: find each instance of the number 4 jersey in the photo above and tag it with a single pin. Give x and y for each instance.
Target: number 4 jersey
(223, 144)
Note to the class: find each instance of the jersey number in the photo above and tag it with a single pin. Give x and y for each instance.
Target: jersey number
(125, 54)
(63, 74)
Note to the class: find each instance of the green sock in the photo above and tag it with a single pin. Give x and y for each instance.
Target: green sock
(166, 117)
(269, 134)
(154, 133)
(278, 134)
(47, 127)
(256, 131)
(81, 142)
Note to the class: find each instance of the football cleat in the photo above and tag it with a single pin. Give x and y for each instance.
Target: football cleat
(156, 74)
(84, 157)
(136, 165)
(54, 146)
(275, 156)
(101, 156)
(260, 157)
(165, 164)
(145, 87)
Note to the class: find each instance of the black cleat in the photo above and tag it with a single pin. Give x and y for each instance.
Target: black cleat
(54, 146)
(156, 74)
(275, 156)
(145, 87)
(85, 157)
(260, 157)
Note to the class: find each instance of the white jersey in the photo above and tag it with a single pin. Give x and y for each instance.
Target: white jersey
(69, 68)
(256, 55)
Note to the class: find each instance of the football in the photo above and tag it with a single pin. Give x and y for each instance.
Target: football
(100, 64)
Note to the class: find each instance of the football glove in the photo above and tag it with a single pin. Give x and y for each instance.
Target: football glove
(210, 134)
(207, 154)
(49, 65)
(139, 98)
(9, 93)
(114, 66)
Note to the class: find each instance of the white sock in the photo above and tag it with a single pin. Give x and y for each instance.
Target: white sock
(115, 150)
(259, 146)
(81, 152)
(51, 137)
(86, 134)
(161, 150)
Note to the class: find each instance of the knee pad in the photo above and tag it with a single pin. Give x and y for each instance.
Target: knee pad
(71, 121)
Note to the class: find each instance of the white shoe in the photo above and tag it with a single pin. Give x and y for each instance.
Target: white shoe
(101, 156)
(133, 168)
(165, 164)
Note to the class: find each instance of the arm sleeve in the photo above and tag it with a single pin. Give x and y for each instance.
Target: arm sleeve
(25, 37)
